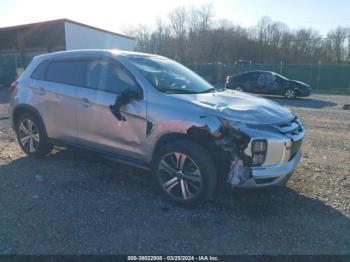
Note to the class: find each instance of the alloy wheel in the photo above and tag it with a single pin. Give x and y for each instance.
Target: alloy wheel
(290, 93)
(238, 88)
(29, 135)
(180, 176)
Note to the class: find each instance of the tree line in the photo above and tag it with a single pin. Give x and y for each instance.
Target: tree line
(192, 35)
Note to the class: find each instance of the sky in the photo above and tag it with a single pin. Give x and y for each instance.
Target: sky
(116, 15)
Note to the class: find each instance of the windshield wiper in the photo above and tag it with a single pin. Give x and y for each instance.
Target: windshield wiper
(184, 91)
(179, 91)
(209, 90)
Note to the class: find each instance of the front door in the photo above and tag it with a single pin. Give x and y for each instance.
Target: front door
(98, 127)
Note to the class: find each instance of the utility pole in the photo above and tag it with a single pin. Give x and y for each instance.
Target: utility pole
(281, 67)
(318, 74)
(349, 47)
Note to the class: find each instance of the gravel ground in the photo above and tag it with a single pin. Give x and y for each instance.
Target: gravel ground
(73, 202)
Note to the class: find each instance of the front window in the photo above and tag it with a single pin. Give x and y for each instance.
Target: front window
(266, 79)
(110, 77)
(169, 76)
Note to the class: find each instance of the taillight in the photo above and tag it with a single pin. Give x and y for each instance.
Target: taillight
(13, 86)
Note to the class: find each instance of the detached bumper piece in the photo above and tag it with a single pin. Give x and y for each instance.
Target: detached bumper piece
(277, 173)
(272, 176)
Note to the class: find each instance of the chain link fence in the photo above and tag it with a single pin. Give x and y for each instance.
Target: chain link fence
(331, 78)
(11, 62)
(324, 78)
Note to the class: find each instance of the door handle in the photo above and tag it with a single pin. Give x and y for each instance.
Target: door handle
(38, 90)
(85, 102)
(41, 91)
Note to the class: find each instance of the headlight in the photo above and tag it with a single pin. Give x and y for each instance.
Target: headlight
(259, 149)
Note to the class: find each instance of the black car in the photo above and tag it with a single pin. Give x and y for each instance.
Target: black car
(266, 82)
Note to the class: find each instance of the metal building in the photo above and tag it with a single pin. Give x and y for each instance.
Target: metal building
(19, 44)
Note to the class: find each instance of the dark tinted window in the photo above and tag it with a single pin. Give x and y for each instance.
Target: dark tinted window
(108, 76)
(39, 72)
(66, 72)
(252, 76)
(266, 79)
(238, 77)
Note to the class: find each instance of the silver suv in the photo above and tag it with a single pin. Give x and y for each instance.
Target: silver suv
(154, 113)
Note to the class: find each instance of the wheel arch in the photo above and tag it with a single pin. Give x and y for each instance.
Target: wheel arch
(199, 136)
(23, 108)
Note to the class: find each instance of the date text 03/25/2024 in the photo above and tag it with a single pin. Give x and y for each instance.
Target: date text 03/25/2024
(173, 258)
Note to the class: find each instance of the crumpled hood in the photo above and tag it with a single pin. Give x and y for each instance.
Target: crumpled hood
(239, 106)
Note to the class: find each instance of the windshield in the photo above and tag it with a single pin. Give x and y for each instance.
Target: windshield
(169, 76)
(280, 76)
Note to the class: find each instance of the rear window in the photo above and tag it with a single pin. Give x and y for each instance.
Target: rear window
(66, 72)
(39, 72)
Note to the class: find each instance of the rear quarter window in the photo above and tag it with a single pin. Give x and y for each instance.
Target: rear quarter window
(66, 72)
(39, 71)
(237, 78)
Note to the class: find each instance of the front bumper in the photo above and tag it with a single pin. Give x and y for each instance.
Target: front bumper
(303, 93)
(271, 176)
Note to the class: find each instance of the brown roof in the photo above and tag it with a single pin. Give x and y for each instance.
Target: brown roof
(57, 21)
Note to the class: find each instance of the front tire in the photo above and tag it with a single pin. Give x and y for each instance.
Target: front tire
(290, 93)
(184, 172)
(31, 136)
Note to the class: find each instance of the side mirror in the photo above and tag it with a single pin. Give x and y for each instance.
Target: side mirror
(124, 98)
(136, 94)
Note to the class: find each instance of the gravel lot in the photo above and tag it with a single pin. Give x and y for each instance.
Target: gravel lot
(73, 202)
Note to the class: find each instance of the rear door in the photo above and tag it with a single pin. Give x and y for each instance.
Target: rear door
(57, 97)
(98, 127)
(250, 82)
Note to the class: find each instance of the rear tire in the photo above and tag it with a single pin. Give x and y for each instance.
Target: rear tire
(184, 172)
(239, 88)
(31, 136)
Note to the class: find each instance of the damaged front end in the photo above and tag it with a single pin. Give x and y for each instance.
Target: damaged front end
(235, 141)
(256, 156)
(230, 140)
